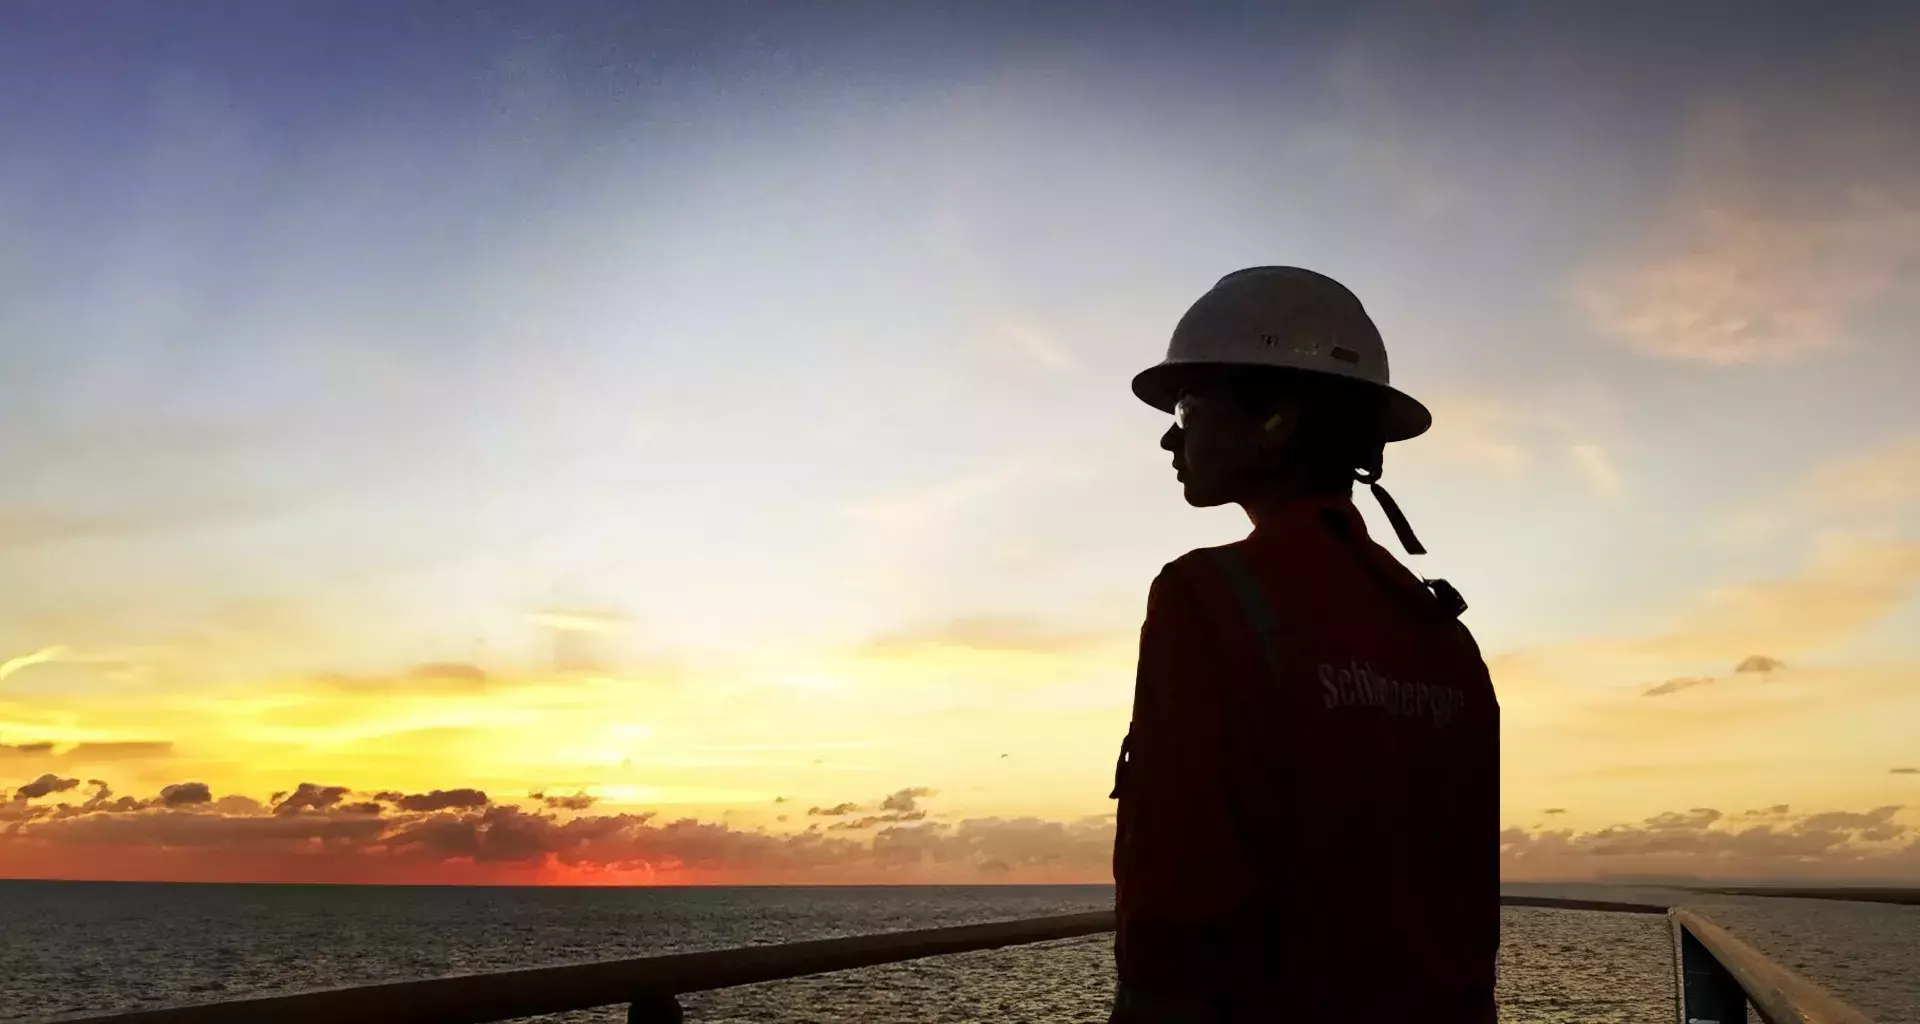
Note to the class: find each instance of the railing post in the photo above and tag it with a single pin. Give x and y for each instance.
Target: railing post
(654, 1008)
(1709, 992)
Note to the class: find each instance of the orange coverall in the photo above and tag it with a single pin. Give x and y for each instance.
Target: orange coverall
(1309, 791)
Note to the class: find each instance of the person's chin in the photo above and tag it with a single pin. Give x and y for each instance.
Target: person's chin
(1200, 497)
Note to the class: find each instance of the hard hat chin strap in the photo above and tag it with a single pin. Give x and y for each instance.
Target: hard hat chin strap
(1398, 519)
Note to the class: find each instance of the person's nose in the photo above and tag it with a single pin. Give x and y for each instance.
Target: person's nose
(1173, 439)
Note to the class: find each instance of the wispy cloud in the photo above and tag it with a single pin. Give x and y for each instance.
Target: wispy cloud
(1748, 264)
(25, 661)
(1729, 287)
(822, 745)
(44, 785)
(1699, 842)
(989, 633)
(315, 834)
(184, 833)
(1872, 488)
(445, 799)
(1848, 585)
(230, 840)
(1374, 139)
(1482, 433)
(1880, 479)
(308, 796)
(1597, 469)
(1038, 346)
(905, 799)
(25, 527)
(1401, 172)
(88, 753)
(185, 794)
(1510, 436)
(579, 620)
(918, 508)
(1676, 685)
(1752, 664)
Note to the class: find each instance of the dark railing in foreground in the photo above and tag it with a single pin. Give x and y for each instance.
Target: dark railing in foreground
(1720, 976)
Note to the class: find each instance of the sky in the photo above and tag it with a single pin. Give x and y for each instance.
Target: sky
(681, 443)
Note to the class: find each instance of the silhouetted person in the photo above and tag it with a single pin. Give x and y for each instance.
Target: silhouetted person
(1309, 788)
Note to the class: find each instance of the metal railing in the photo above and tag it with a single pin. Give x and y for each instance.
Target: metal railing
(1720, 975)
(648, 984)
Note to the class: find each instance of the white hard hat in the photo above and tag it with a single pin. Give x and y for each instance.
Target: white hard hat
(1282, 318)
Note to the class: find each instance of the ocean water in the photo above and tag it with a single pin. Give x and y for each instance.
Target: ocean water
(93, 947)
(1868, 954)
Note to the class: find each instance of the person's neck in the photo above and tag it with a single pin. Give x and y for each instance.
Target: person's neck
(1264, 507)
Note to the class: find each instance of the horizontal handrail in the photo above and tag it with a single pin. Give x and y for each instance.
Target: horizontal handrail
(1778, 995)
(1556, 903)
(505, 995)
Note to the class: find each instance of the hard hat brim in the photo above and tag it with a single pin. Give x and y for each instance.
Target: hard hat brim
(1401, 415)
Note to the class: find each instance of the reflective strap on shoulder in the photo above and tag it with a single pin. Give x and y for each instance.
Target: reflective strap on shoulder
(1260, 616)
(1253, 604)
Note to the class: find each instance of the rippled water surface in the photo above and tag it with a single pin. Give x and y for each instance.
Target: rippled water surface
(70, 947)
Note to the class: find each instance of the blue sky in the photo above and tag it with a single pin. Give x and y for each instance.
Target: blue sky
(343, 337)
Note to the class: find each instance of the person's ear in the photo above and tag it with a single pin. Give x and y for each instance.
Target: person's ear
(1275, 431)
